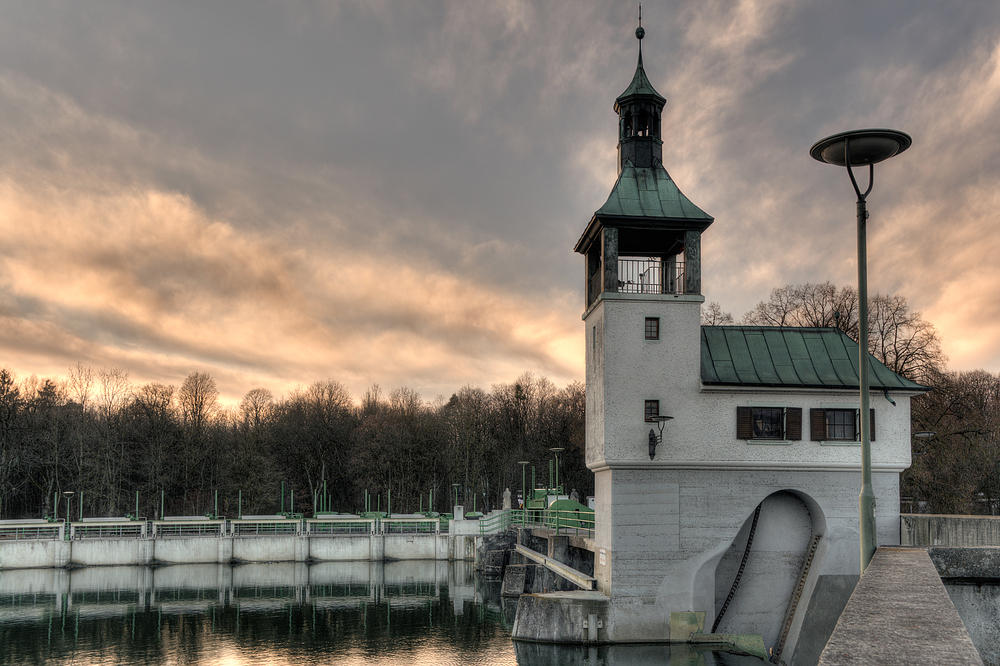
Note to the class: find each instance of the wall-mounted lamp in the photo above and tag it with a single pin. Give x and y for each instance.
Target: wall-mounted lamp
(926, 435)
(655, 438)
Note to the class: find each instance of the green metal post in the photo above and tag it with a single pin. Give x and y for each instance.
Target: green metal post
(291, 499)
(239, 505)
(163, 502)
(137, 504)
(282, 503)
(215, 514)
(81, 506)
(388, 507)
(866, 500)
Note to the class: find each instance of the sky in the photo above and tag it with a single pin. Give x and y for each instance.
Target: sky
(375, 192)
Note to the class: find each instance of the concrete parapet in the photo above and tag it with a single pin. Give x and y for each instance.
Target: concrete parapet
(900, 613)
(944, 530)
(969, 563)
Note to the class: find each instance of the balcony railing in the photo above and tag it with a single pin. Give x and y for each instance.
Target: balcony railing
(642, 276)
(650, 276)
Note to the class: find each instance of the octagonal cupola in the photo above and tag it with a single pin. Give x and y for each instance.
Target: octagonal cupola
(639, 109)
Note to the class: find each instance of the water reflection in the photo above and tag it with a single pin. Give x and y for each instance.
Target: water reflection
(283, 613)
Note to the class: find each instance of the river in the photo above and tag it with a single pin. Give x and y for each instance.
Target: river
(375, 614)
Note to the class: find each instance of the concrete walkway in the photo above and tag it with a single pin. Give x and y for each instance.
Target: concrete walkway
(900, 613)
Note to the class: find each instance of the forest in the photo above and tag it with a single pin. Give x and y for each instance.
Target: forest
(107, 441)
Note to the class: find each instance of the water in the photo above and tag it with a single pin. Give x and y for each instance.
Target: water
(397, 613)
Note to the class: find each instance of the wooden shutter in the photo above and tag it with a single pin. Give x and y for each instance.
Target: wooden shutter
(793, 423)
(817, 424)
(744, 423)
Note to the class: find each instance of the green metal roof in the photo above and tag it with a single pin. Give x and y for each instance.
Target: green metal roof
(789, 357)
(640, 86)
(650, 193)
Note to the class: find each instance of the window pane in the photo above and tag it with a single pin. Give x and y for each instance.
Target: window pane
(652, 328)
(768, 423)
(840, 424)
(652, 409)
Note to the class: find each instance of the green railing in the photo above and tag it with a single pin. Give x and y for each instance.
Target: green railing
(410, 526)
(30, 530)
(168, 528)
(339, 526)
(105, 529)
(570, 522)
(265, 527)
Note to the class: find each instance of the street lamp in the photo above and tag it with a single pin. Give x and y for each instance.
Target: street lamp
(851, 149)
(67, 494)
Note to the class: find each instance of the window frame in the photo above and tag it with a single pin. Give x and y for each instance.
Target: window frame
(648, 415)
(791, 422)
(819, 423)
(654, 335)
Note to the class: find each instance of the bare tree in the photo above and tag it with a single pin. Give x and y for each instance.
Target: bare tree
(199, 400)
(899, 338)
(712, 315)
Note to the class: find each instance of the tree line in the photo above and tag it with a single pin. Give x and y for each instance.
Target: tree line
(108, 441)
(956, 453)
(97, 434)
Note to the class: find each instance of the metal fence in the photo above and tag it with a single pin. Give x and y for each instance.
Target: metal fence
(30, 530)
(106, 529)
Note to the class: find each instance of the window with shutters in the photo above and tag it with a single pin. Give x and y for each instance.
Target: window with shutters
(769, 423)
(839, 424)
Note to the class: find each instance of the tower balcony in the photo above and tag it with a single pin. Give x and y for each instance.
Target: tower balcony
(647, 275)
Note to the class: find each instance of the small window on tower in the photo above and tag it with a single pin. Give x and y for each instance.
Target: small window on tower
(652, 409)
(652, 328)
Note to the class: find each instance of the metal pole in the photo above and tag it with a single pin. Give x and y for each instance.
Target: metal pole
(282, 503)
(866, 500)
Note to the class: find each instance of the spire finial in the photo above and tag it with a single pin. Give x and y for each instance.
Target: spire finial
(639, 32)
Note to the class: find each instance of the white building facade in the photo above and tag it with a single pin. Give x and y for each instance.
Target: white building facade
(760, 417)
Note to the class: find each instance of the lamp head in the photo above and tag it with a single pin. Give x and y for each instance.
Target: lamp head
(869, 146)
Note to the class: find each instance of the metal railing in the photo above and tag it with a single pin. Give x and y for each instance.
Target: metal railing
(642, 276)
(343, 526)
(30, 530)
(411, 526)
(650, 276)
(264, 527)
(166, 529)
(108, 529)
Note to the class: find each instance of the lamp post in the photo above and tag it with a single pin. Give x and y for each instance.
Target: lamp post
(851, 149)
(67, 494)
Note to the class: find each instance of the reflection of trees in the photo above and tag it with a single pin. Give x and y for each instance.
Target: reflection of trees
(104, 438)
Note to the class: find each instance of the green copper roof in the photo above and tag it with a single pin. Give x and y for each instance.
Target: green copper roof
(649, 192)
(789, 357)
(640, 86)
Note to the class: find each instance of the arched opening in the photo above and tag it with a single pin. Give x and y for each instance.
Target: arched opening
(765, 597)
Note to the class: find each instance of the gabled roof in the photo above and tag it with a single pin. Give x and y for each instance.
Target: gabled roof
(789, 358)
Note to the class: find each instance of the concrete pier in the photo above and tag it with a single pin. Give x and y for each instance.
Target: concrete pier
(900, 613)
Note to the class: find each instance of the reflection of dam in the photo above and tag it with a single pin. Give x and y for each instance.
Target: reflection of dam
(33, 594)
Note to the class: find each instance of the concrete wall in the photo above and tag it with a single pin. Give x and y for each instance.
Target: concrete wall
(956, 531)
(221, 550)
